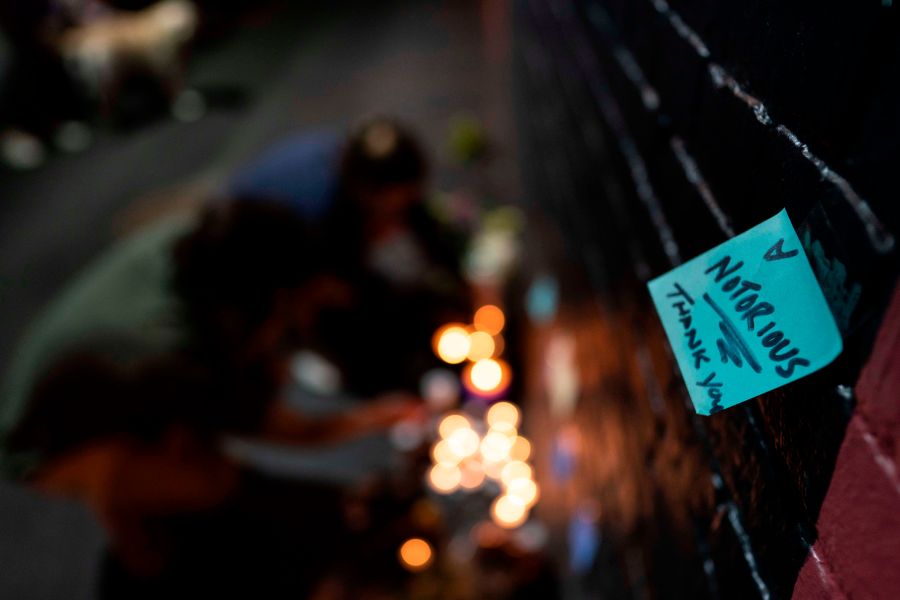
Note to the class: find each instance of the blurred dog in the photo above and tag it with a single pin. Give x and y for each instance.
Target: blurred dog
(104, 52)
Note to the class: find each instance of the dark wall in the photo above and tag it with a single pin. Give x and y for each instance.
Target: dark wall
(651, 132)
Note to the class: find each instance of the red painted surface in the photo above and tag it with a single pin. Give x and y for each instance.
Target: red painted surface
(857, 554)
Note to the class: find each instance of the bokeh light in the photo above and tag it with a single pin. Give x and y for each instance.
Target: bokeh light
(525, 490)
(472, 475)
(489, 319)
(444, 477)
(499, 345)
(451, 423)
(502, 413)
(495, 446)
(521, 449)
(442, 452)
(463, 442)
(515, 470)
(481, 345)
(506, 429)
(451, 343)
(487, 376)
(416, 554)
(509, 512)
(465, 456)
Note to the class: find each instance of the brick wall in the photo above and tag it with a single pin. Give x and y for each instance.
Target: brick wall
(650, 132)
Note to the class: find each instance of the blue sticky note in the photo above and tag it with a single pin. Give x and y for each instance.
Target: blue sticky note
(746, 317)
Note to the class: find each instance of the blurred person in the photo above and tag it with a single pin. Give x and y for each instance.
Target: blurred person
(109, 51)
(315, 171)
(122, 391)
(71, 58)
(368, 189)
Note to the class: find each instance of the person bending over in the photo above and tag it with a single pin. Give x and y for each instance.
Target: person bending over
(123, 390)
(367, 189)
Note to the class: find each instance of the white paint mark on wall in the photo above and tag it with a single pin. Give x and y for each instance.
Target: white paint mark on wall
(693, 174)
(650, 99)
(880, 238)
(884, 462)
(746, 548)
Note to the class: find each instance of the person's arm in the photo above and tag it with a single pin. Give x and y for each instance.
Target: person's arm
(287, 426)
(159, 485)
(118, 475)
(125, 482)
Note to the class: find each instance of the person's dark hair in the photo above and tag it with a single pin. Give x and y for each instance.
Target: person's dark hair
(90, 395)
(381, 152)
(79, 399)
(231, 266)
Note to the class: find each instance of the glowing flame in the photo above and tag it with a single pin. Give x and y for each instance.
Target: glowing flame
(489, 319)
(443, 453)
(499, 345)
(451, 343)
(487, 376)
(444, 478)
(472, 475)
(509, 512)
(481, 345)
(507, 430)
(495, 446)
(524, 490)
(415, 554)
(451, 423)
(501, 414)
(463, 442)
(462, 457)
(515, 470)
(521, 449)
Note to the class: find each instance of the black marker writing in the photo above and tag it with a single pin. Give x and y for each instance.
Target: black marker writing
(683, 306)
(776, 253)
(713, 390)
(732, 346)
(747, 304)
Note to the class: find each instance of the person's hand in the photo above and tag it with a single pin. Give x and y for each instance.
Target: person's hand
(285, 425)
